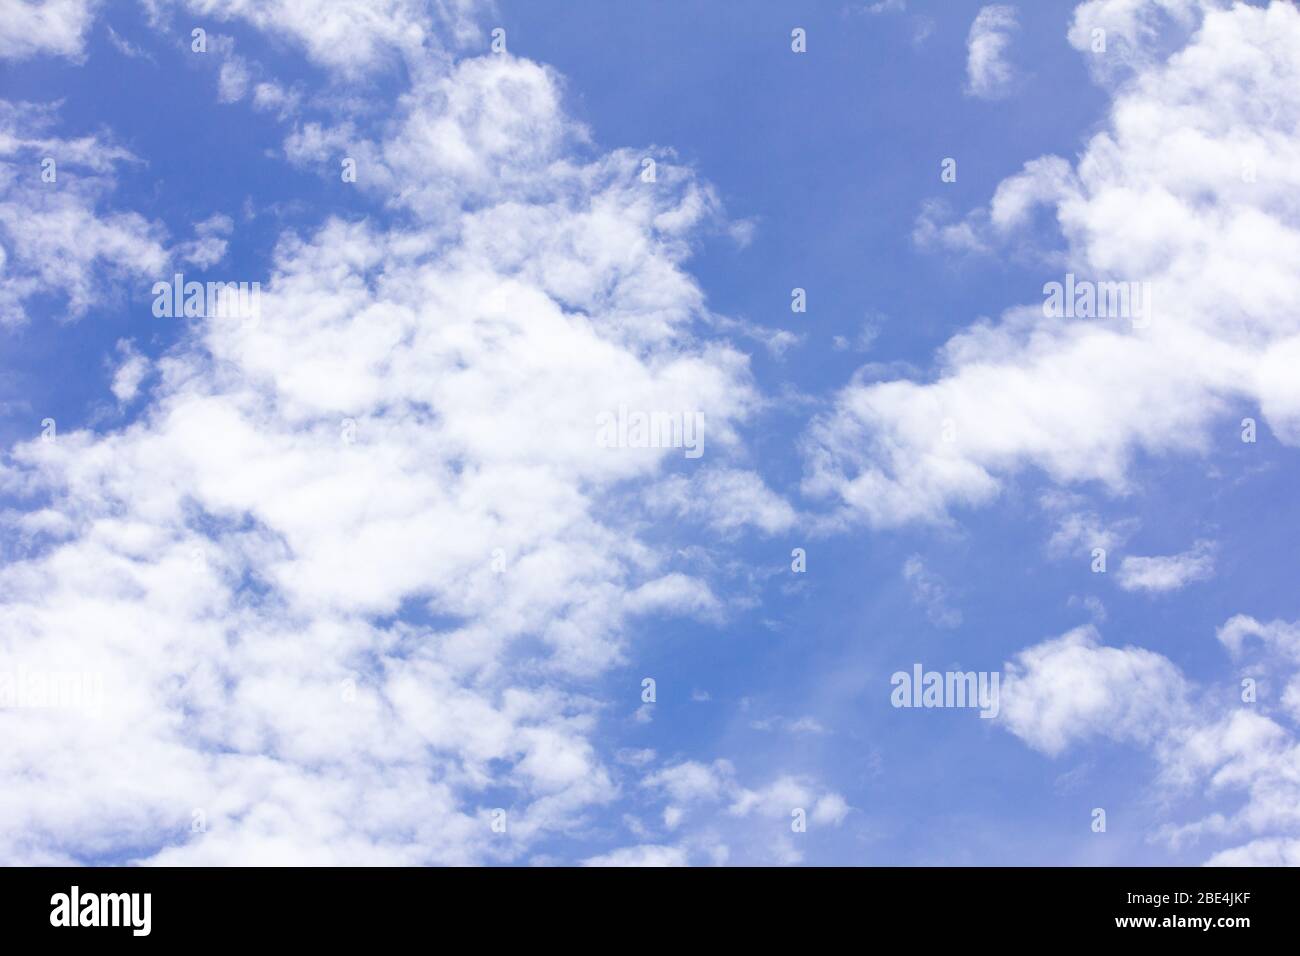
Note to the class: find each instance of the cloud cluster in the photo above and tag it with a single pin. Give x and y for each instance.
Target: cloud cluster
(56, 238)
(691, 789)
(349, 577)
(1191, 190)
(1239, 749)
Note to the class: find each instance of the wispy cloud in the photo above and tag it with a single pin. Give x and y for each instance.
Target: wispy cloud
(989, 75)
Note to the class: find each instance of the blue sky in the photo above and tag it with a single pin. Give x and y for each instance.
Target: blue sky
(308, 649)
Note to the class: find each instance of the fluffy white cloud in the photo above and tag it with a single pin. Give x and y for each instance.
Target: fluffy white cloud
(1191, 189)
(988, 74)
(53, 27)
(338, 578)
(1079, 530)
(130, 372)
(1167, 572)
(1206, 745)
(1073, 688)
(233, 79)
(645, 855)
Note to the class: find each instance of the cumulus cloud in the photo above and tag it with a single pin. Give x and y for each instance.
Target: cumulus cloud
(1190, 188)
(1205, 745)
(1074, 688)
(339, 577)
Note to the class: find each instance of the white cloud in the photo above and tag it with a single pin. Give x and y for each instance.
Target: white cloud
(1079, 532)
(233, 79)
(44, 27)
(272, 97)
(865, 338)
(763, 814)
(53, 238)
(988, 74)
(1207, 746)
(1119, 36)
(354, 36)
(645, 855)
(725, 499)
(800, 725)
(691, 781)
(1272, 852)
(931, 231)
(1073, 688)
(409, 426)
(130, 372)
(830, 809)
(1159, 197)
(209, 245)
(126, 47)
(1280, 637)
(1167, 572)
